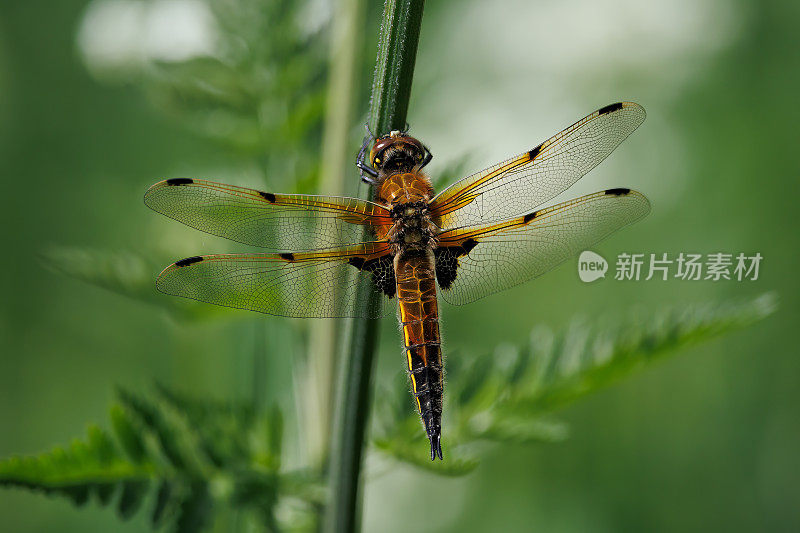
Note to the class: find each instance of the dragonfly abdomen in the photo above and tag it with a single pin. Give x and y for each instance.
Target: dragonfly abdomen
(419, 315)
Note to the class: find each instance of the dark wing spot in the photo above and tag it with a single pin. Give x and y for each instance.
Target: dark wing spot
(446, 266)
(617, 192)
(533, 153)
(530, 216)
(383, 275)
(467, 246)
(180, 181)
(357, 262)
(287, 256)
(609, 108)
(382, 270)
(268, 196)
(447, 262)
(188, 261)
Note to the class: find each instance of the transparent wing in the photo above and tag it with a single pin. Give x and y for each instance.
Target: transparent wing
(309, 284)
(275, 221)
(525, 182)
(481, 260)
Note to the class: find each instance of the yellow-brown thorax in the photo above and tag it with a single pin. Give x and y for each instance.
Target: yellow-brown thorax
(407, 196)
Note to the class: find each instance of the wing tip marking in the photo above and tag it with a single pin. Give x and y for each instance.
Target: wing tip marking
(179, 181)
(533, 153)
(619, 191)
(188, 261)
(610, 108)
(268, 196)
(287, 256)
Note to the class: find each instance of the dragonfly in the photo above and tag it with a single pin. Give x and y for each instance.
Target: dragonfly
(485, 233)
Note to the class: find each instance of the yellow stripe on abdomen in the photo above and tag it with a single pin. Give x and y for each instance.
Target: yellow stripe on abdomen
(419, 314)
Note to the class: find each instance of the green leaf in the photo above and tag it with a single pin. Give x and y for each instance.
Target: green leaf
(94, 466)
(155, 421)
(195, 510)
(163, 498)
(128, 436)
(261, 91)
(586, 358)
(123, 272)
(222, 431)
(133, 493)
(408, 452)
(522, 430)
(186, 454)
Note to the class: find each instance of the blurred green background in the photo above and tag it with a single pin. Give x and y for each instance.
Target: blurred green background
(704, 441)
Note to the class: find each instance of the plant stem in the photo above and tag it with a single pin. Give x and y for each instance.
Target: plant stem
(391, 89)
(394, 68)
(345, 56)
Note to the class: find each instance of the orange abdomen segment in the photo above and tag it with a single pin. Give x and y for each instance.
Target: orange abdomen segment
(419, 314)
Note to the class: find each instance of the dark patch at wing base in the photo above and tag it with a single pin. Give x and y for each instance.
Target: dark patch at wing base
(382, 270)
(447, 262)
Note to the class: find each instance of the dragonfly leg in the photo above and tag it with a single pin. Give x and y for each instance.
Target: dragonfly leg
(368, 174)
(428, 157)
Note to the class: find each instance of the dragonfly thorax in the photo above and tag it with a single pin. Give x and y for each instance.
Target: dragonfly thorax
(413, 230)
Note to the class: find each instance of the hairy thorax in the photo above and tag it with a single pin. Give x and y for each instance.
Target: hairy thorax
(408, 195)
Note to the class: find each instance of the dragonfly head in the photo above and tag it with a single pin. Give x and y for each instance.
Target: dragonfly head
(398, 153)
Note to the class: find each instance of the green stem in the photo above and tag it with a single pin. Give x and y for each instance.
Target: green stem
(391, 89)
(394, 68)
(345, 56)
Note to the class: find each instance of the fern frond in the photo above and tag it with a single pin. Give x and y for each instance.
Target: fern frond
(187, 455)
(93, 466)
(123, 272)
(508, 396)
(584, 358)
